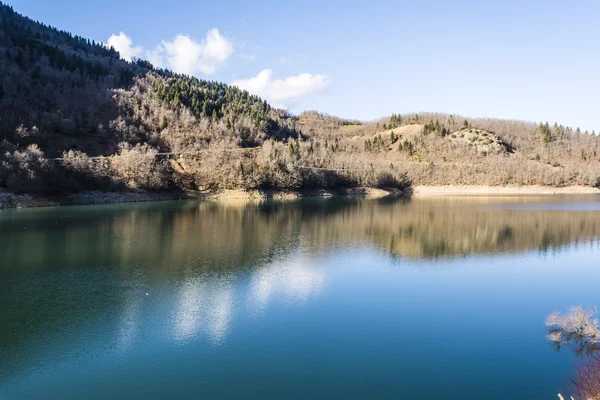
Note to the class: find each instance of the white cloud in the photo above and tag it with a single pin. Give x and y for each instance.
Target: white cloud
(182, 54)
(283, 92)
(123, 44)
(186, 56)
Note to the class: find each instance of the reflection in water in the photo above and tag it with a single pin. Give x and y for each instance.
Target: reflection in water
(221, 310)
(233, 236)
(207, 246)
(189, 307)
(129, 326)
(295, 278)
(204, 304)
(89, 281)
(578, 328)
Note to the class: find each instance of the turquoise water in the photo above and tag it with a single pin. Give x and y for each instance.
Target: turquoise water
(314, 298)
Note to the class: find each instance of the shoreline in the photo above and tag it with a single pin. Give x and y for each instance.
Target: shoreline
(28, 200)
(472, 190)
(10, 200)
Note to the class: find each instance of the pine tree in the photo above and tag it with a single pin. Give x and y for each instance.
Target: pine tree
(545, 132)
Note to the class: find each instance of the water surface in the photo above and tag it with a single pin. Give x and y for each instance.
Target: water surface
(440, 298)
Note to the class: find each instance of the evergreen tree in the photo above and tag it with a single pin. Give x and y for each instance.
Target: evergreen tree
(545, 132)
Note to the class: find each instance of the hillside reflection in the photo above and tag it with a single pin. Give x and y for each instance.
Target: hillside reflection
(83, 279)
(237, 235)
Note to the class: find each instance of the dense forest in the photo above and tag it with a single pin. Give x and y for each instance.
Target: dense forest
(75, 116)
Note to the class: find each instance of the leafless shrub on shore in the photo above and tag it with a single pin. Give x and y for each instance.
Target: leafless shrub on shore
(25, 170)
(586, 384)
(138, 167)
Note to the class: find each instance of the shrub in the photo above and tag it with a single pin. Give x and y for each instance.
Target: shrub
(586, 384)
(26, 170)
(138, 167)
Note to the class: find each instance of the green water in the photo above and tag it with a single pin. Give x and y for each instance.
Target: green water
(337, 298)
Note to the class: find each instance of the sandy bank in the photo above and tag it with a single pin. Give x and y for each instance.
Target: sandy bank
(454, 190)
(287, 195)
(12, 200)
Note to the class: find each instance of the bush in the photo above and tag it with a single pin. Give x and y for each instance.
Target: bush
(383, 179)
(26, 171)
(138, 167)
(586, 384)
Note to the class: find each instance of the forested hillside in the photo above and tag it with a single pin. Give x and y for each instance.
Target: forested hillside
(75, 116)
(64, 96)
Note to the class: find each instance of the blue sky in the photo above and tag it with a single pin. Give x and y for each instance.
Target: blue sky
(530, 60)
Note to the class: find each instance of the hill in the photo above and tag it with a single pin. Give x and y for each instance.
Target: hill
(75, 116)
(441, 149)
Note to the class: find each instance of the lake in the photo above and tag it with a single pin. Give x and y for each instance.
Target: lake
(441, 298)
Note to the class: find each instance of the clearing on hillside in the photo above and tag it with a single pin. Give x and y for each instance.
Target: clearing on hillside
(403, 132)
(485, 141)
